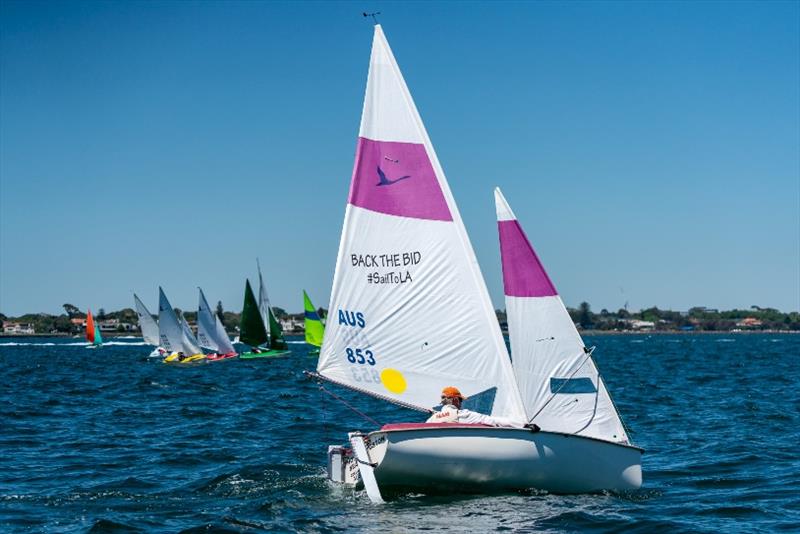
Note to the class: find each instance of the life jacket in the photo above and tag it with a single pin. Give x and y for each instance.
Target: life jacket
(448, 414)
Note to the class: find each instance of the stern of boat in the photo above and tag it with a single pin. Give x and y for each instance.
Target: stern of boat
(342, 462)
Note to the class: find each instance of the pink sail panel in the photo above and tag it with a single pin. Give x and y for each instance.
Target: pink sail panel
(523, 274)
(397, 179)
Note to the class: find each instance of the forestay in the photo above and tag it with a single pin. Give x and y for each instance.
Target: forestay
(409, 311)
(557, 378)
(146, 323)
(210, 332)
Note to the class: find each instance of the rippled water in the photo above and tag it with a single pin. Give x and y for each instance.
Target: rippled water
(109, 440)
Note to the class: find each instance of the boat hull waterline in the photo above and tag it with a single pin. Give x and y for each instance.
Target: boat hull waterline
(264, 354)
(481, 458)
(221, 357)
(173, 359)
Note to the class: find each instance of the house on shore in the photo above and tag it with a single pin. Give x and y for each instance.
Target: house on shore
(19, 329)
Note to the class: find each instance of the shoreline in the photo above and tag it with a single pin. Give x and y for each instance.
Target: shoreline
(110, 335)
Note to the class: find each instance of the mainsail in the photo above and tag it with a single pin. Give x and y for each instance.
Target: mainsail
(405, 267)
(189, 341)
(147, 324)
(315, 330)
(251, 325)
(557, 378)
(172, 329)
(210, 332)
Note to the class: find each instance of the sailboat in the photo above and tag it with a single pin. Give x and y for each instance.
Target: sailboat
(266, 342)
(149, 327)
(175, 335)
(314, 328)
(274, 331)
(211, 334)
(93, 334)
(404, 265)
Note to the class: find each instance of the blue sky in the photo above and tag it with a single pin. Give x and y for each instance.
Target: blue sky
(650, 150)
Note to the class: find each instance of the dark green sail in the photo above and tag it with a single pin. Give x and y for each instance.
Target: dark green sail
(276, 341)
(251, 326)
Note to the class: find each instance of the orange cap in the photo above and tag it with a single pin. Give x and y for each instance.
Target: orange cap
(451, 391)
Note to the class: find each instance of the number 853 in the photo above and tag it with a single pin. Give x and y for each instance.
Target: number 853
(360, 356)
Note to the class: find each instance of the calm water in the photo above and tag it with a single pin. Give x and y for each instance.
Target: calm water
(111, 441)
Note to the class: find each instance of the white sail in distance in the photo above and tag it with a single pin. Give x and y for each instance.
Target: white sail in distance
(558, 380)
(210, 332)
(205, 324)
(409, 310)
(147, 324)
(170, 328)
(189, 341)
(264, 306)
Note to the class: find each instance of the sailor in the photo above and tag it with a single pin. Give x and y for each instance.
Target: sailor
(256, 350)
(452, 412)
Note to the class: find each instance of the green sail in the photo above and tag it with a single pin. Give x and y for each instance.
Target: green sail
(314, 327)
(276, 341)
(251, 326)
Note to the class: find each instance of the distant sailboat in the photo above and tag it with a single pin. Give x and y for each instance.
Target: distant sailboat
(175, 334)
(274, 330)
(315, 330)
(149, 327)
(253, 330)
(93, 334)
(211, 334)
(404, 265)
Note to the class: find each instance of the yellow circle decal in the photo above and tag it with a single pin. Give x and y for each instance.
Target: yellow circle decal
(393, 380)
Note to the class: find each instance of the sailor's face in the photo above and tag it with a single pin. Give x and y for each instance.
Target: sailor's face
(454, 401)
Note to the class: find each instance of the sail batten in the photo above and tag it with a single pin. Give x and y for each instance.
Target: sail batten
(405, 266)
(559, 382)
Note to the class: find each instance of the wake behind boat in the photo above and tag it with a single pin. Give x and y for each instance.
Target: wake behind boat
(404, 264)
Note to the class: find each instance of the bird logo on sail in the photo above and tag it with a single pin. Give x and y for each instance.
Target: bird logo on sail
(386, 181)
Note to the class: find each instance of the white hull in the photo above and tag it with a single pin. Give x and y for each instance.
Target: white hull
(477, 458)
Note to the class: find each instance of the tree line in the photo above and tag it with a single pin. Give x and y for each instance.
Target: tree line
(696, 319)
(63, 324)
